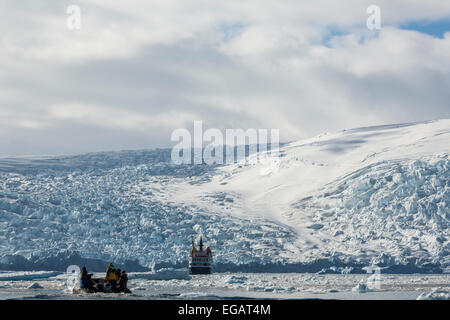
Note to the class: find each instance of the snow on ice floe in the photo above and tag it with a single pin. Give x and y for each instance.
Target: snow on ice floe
(233, 279)
(375, 195)
(27, 275)
(35, 285)
(197, 295)
(161, 274)
(361, 288)
(435, 294)
(251, 285)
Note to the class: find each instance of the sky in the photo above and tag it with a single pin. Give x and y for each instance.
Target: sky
(135, 71)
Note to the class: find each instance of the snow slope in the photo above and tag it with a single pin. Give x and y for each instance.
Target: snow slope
(115, 206)
(377, 195)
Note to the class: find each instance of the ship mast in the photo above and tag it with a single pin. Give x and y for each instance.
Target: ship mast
(201, 244)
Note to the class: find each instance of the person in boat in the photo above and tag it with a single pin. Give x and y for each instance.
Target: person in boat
(111, 276)
(123, 280)
(85, 280)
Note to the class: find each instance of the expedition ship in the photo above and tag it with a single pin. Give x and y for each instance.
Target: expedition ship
(200, 260)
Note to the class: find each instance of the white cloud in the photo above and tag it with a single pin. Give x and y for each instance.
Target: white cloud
(154, 66)
(119, 118)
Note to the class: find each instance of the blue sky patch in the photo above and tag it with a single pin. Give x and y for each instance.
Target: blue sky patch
(231, 31)
(436, 28)
(331, 33)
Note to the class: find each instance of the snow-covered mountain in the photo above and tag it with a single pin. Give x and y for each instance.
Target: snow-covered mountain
(376, 195)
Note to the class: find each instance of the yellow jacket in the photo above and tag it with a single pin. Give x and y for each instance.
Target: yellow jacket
(111, 276)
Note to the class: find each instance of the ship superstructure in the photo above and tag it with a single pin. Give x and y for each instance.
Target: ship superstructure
(200, 261)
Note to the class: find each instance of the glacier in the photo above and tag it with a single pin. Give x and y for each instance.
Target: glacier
(335, 203)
